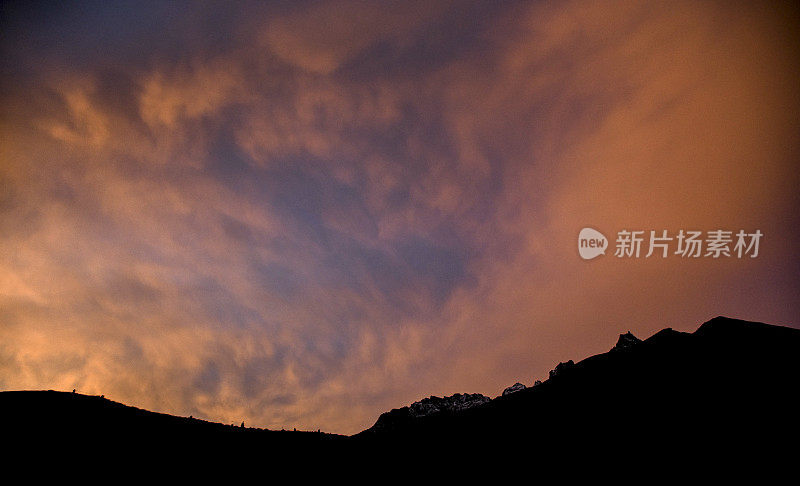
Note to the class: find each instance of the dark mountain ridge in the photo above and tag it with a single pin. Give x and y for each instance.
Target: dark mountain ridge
(56, 412)
(730, 385)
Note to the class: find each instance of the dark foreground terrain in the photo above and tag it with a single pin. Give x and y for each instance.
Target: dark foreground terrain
(729, 387)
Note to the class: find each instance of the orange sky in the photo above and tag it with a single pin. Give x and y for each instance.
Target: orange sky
(305, 215)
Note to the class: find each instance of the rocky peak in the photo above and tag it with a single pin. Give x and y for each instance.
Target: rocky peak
(626, 341)
(514, 388)
(561, 367)
(400, 418)
(453, 403)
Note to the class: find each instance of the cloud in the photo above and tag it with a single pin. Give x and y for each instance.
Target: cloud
(320, 37)
(188, 93)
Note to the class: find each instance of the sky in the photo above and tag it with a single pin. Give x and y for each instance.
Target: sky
(304, 214)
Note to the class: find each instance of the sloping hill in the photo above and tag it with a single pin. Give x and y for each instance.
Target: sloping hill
(730, 384)
(61, 421)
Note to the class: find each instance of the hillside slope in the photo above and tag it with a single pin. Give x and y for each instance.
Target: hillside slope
(730, 384)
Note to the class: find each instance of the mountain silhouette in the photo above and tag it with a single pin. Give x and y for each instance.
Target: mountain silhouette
(729, 382)
(731, 385)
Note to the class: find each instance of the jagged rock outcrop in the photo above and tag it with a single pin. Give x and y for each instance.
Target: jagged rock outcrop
(561, 368)
(453, 403)
(400, 418)
(626, 341)
(514, 388)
